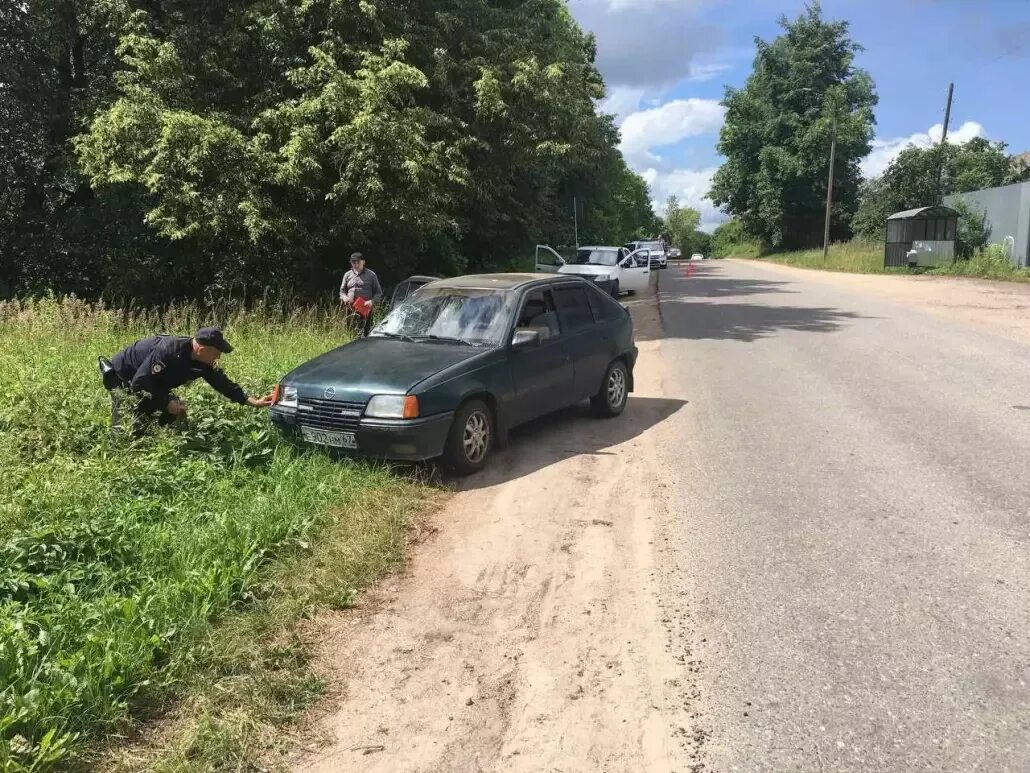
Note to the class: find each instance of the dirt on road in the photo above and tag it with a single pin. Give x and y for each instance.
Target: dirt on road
(527, 633)
(1002, 307)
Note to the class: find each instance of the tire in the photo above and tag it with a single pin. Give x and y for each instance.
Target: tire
(472, 437)
(610, 400)
(615, 289)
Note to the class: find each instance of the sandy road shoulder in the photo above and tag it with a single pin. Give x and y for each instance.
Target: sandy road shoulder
(527, 634)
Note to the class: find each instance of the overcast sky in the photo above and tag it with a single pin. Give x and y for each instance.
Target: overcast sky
(666, 63)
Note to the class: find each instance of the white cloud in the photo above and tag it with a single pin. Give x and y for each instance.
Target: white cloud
(666, 125)
(700, 73)
(647, 44)
(621, 102)
(690, 186)
(885, 151)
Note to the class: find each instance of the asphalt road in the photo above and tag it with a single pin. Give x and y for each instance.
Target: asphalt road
(845, 555)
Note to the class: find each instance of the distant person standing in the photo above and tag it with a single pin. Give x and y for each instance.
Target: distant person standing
(360, 284)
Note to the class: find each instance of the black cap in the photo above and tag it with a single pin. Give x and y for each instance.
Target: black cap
(212, 336)
(356, 256)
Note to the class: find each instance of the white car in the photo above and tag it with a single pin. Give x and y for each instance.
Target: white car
(614, 269)
(697, 256)
(675, 253)
(659, 256)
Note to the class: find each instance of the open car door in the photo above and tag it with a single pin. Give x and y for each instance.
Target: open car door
(547, 260)
(635, 271)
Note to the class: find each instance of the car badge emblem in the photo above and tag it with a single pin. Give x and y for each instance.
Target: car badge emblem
(329, 393)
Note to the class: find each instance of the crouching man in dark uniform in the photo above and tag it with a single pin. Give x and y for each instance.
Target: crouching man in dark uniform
(152, 367)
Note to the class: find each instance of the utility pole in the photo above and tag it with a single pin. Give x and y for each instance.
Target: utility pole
(829, 186)
(575, 218)
(944, 138)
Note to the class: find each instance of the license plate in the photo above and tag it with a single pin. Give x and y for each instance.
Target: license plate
(326, 438)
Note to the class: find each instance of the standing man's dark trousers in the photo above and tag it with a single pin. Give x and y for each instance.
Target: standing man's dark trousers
(360, 326)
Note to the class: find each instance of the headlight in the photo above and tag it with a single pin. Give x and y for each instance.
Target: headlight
(392, 407)
(288, 397)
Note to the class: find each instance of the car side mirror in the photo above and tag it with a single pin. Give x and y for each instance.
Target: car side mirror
(525, 339)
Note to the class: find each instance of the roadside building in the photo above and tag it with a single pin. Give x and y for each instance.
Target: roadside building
(1007, 210)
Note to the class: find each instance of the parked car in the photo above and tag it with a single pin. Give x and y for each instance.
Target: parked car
(659, 256)
(408, 286)
(614, 269)
(459, 363)
(674, 253)
(697, 256)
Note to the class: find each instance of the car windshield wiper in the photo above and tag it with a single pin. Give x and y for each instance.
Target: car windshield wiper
(451, 339)
(402, 336)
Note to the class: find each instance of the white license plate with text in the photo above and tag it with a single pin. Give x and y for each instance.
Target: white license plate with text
(324, 437)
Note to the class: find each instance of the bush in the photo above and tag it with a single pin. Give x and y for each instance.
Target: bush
(730, 240)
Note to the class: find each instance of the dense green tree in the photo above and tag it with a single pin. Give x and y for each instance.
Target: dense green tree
(619, 211)
(776, 137)
(162, 148)
(277, 137)
(680, 223)
(729, 236)
(910, 180)
(698, 242)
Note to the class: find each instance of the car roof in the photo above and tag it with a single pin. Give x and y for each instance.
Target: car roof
(601, 247)
(499, 281)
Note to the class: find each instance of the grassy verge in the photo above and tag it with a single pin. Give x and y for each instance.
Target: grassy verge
(991, 263)
(855, 257)
(169, 570)
(867, 258)
(743, 249)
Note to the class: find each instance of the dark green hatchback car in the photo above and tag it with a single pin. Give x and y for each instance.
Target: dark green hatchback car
(460, 362)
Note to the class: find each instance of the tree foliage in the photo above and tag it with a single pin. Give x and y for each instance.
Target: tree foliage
(173, 147)
(777, 133)
(910, 180)
(680, 223)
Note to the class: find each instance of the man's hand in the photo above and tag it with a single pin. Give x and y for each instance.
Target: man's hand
(260, 402)
(176, 408)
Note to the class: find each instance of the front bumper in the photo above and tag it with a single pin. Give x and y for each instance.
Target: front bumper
(409, 440)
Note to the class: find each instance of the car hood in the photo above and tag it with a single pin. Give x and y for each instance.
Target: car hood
(371, 366)
(588, 270)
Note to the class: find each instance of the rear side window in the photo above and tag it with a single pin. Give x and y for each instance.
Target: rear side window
(573, 307)
(604, 306)
(538, 313)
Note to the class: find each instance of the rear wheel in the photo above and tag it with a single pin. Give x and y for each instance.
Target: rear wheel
(471, 439)
(611, 399)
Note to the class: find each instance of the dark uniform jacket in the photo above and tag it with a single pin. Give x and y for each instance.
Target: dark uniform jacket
(159, 364)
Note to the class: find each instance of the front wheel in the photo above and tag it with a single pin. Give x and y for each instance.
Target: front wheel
(611, 399)
(471, 438)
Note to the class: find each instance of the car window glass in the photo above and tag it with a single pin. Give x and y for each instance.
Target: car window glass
(596, 258)
(538, 313)
(573, 308)
(464, 314)
(604, 306)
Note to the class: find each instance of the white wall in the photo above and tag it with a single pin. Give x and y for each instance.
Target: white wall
(1008, 212)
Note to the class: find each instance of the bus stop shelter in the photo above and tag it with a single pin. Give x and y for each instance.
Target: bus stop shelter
(928, 232)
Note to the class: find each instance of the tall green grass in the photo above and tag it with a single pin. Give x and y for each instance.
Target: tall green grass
(989, 263)
(117, 556)
(743, 249)
(854, 256)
